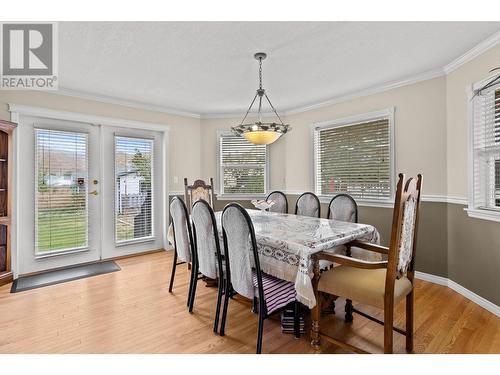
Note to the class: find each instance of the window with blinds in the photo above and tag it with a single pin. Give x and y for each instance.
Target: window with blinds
(486, 149)
(61, 181)
(133, 189)
(354, 158)
(243, 166)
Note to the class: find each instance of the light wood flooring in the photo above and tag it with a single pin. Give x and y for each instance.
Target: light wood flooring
(131, 311)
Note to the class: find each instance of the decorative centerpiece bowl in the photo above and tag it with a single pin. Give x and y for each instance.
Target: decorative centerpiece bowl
(263, 205)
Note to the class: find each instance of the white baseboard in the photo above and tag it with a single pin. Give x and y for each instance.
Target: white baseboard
(484, 303)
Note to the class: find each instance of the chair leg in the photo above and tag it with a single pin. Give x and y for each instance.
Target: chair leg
(348, 311)
(220, 285)
(173, 273)
(193, 289)
(260, 332)
(227, 293)
(192, 282)
(409, 322)
(388, 325)
(296, 319)
(254, 307)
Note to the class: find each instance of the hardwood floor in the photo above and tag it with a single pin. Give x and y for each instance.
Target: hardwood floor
(131, 311)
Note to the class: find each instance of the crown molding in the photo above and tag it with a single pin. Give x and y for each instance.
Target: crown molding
(369, 91)
(124, 102)
(474, 52)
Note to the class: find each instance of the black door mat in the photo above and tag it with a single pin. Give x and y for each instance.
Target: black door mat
(61, 276)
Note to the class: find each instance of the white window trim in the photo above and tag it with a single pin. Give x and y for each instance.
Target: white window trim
(220, 176)
(384, 113)
(475, 212)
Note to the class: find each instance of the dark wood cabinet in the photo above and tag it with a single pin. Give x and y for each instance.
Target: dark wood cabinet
(6, 129)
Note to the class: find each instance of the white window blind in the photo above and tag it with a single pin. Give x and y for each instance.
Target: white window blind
(354, 158)
(61, 181)
(133, 189)
(243, 166)
(486, 149)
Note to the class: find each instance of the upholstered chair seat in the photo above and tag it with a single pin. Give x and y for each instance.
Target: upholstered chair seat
(277, 293)
(366, 286)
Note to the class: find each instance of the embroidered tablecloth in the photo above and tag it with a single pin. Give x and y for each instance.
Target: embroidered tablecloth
(286, 244)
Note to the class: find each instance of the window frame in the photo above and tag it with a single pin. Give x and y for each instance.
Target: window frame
(472, 210)
(221, 195)
(388, 114)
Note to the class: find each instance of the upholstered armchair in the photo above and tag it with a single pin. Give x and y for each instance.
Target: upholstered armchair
(384, 283)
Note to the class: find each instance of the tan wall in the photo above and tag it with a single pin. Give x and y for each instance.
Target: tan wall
(420, 133)
(184, 131)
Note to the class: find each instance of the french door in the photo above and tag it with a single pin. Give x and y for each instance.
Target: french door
(87, 192)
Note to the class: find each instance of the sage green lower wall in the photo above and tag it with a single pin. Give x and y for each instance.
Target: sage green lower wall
(450, 244)
(474, 253)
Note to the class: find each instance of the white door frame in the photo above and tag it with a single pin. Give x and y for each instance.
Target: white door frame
(18, 111)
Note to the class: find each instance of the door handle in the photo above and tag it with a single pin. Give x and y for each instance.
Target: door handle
(94, 192)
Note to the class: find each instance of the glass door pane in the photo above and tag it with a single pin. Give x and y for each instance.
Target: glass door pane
(61, 182)
(133, 189)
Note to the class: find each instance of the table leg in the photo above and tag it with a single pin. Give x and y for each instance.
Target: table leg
(316, 310)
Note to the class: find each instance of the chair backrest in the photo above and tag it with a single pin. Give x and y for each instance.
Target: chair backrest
(281, 204)
(198, 190)
(343, 207)
(240, 251)
(308, 205)
(183, 237)
(403, 243)
(206, 239)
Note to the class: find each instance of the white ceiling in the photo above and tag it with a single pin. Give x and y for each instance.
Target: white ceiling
(208, 67)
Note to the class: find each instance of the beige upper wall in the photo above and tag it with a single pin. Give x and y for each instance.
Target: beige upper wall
(420, 133)
(457, 104)
(184, 131)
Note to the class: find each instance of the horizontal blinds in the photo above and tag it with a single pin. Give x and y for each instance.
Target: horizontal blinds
(355, 159)
(133, 188)
(486, 148)
(61, 182)
(243, 165)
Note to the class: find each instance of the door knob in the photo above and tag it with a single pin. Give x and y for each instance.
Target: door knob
(94, 192)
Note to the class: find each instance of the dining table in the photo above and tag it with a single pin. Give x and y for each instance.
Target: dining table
(289, 245)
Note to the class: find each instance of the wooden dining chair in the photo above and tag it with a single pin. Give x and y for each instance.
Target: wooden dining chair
(198, 190)
(183, 241)
(281, 204)
(308, 205)
(208, 252)
(244, 276)
(382, 283)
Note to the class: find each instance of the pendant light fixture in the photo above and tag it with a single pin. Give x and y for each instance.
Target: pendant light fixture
(261, 133)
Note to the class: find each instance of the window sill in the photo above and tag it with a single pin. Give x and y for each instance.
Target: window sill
(478, 213)
(362, 202)
(239, 197)
(50, 254)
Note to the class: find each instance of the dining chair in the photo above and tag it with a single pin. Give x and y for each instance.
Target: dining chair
(243, 273)
(198, 190)
(308, 205)
(183, 240)
(382, 284)
(281, 204)
(207, 248)
(342, 207)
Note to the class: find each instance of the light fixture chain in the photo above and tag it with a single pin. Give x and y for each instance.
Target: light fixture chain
(260, 73)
